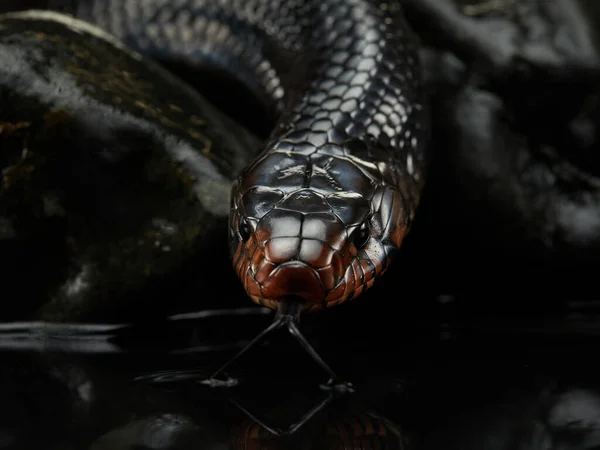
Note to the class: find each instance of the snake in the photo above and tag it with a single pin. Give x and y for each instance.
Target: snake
(324, 207)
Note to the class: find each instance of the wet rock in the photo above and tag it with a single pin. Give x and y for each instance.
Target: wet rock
(543, 418)
(115, 178)
(515, 187)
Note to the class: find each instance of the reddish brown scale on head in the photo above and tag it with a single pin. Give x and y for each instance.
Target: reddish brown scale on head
(296, 279)
(359, 431)
(364, 432)
(320, 249)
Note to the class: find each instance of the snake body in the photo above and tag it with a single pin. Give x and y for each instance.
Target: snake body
(318, 214)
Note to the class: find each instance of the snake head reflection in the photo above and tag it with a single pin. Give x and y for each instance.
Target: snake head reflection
(362, 430)
(323, 248)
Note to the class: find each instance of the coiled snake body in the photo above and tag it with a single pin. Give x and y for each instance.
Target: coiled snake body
(317, 215)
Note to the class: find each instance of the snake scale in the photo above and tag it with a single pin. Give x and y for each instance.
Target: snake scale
(319, 213)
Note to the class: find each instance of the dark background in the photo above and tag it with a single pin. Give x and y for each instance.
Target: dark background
(494, 342)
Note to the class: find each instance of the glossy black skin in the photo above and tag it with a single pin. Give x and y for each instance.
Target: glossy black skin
(335, 189)
(114, 173)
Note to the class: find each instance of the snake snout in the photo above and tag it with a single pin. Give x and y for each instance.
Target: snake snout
(294, 279)
(302, 253)
(306, 270)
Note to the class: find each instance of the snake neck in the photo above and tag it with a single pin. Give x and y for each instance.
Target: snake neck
(333, 70)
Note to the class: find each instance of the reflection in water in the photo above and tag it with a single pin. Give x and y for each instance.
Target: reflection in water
(363, 431)
(117, 338)
(480, 390)
(292, 428)
(166, 431)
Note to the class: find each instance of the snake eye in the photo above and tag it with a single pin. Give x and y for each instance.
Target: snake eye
(244, 231)
(361, 236)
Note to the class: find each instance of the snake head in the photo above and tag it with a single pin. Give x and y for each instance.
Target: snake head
(321, 248)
